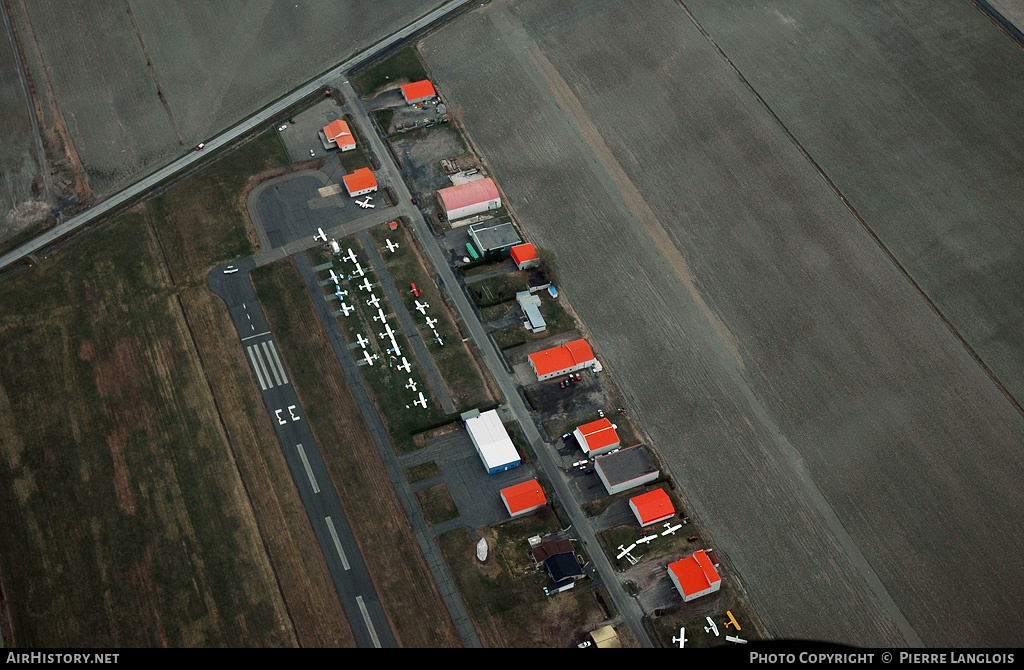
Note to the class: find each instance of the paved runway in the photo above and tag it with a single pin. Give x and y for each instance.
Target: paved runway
(351, 579)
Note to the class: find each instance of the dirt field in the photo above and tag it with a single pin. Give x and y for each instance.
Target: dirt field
(804, 395)
(126, 522)
(141, 82)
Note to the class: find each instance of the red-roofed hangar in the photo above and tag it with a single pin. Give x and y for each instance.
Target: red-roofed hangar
(597, 437)
(360, 182)
(525, 256)
(418, 91)
(652, 507)
(524, 498)
(569, 357)
(468, 199)
(694, 576)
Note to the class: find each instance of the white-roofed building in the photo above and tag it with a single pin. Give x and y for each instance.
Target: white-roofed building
(491, 440)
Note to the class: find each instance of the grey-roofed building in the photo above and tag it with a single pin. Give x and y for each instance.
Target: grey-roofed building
(530, 304)
(626, 469)
(492, 235)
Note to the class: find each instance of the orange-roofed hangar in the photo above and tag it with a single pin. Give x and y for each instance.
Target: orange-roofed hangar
(569, 357)
(524, 498)
(652, 507)
(597, 437)
(525, 256)
(694, 576)
(418, 91)
(468, 199)
(360, 182)
(337, 134)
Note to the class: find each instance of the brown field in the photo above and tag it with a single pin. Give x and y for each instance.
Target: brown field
(400, 574)
(803, 393)
(127, 523)
(142, 82)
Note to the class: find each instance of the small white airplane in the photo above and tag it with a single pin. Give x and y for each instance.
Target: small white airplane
(369, 358)
(341, 294)
(438, 339)
(373, 301)
(381, 316)
(431, 323)
(623, 552)
(366, 285)
(346, 309)
(365, 204)
(682, 637)
(421, 307)
(359, 271)
(647, 539)
(711, 627)
(411, 385)
(362, 340)
(735, 640)
(405, 366)
(670, 529)
(322, 235)
(351, 256)
(335, 277)
(392, 246)
(421, 401)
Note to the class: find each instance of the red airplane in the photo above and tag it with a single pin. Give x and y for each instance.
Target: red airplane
(415, 291)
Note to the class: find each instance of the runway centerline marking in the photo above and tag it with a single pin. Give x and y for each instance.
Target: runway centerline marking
(369, 624)
(337, 542)
(309, 470)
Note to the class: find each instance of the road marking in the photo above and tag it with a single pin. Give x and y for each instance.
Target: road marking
(256, 335)
(252, 358)
(337, 542)
(273, 352)
(259, 359)
(270, 363)
(309, 470)
(369, 624)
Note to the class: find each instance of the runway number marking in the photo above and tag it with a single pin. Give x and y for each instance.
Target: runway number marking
(337, 542)
(291, 414)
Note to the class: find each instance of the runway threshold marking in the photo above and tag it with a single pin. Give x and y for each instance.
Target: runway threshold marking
(273, 352)
(271, 365)
(249, 337)
(309, 470)
(369, 624)
(256, 367)
(337, 542)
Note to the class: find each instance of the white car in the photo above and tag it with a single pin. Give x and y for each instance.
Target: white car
(280, 128)
(312, 153)
(230, 270)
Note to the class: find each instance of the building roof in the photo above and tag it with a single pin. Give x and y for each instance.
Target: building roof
(549, 548)
(694, 573)
(418, 89)
(359, 180)
(494, 235)
(523, 496)
(561, 358)
(625, 464)
(598, 434)
(470, 193)
(492, 439)
(338, 129)
(521, 253)
(605, 637)
(564, 566)
(653, 505)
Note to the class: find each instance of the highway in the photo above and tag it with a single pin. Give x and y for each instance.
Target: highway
(223, 140)
(352, 581)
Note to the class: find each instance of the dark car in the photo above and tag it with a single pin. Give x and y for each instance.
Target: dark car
(414, 201)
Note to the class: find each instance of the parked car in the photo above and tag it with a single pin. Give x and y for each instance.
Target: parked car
(200, 146)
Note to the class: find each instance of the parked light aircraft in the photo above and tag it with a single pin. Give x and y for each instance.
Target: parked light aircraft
(421, 307)
(411, 385)
(392, 246)
(431, 322)
(366, 285)
(373, 301)
(351, 256)
(362, 340)
(415, 291)
(322, 235)
(365, 204)
(422, 402)
(405, 365)
(369, 358)
(346, 309)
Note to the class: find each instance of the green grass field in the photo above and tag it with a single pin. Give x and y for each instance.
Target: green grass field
(126, 522)
(400, 67)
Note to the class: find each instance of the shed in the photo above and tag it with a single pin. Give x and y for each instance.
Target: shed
(468, 199)
(491, 440)
(523, 498)
(652, 507)
(694, 576)
(597, 437)
(418, 91)
(626, 469)
(360, 182)
(525, 256)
